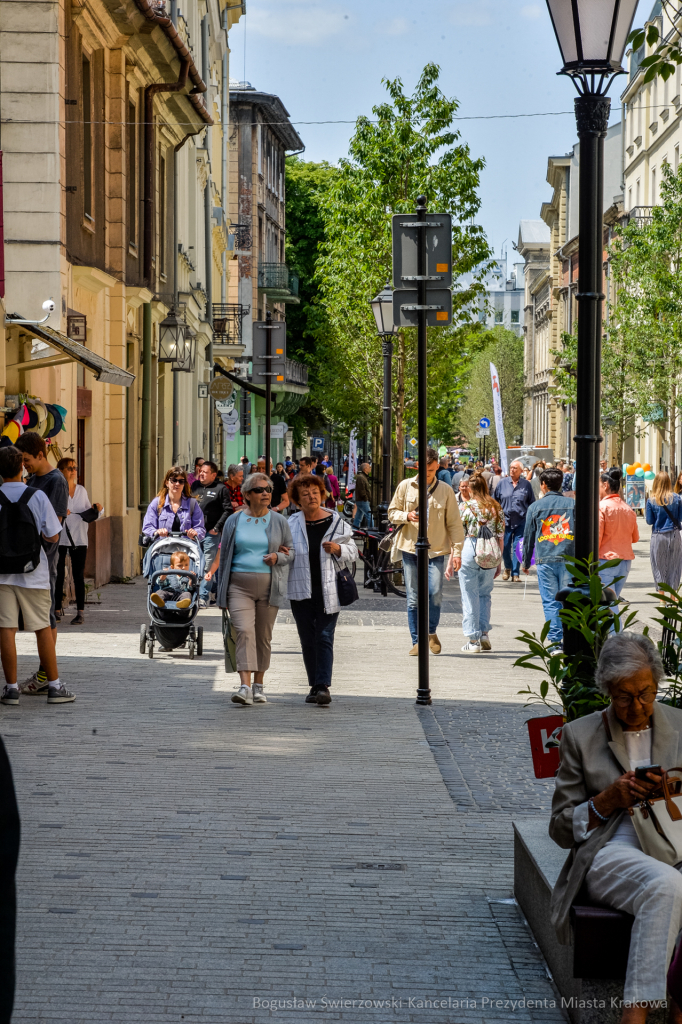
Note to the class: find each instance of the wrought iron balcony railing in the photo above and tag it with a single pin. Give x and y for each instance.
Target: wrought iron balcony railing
(296, 373)
(227, 322)
(276, 278)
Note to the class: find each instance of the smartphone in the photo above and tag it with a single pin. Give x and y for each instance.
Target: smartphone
(641, 773)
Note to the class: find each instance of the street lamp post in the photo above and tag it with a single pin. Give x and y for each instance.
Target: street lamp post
(592, 35)
(382, 307)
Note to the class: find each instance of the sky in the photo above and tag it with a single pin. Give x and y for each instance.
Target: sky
(325, 59)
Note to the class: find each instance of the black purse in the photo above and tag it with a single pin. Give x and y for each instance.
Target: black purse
(346, 587)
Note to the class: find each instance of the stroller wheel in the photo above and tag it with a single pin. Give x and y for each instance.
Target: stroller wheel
(191, 649)
(151, 648)
(200, 640)
(143, 638)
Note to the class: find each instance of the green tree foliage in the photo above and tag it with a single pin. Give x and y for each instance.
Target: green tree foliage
(503, 348)
(408, 148)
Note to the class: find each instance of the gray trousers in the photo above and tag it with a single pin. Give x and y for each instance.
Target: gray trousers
(248, 602)
(624, 877)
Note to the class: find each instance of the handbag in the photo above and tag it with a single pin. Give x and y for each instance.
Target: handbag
(229, 642)
(346, 587)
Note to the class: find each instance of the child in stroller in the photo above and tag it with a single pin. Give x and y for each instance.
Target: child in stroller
(175, 587)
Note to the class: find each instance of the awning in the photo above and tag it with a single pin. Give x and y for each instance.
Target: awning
(103, 370)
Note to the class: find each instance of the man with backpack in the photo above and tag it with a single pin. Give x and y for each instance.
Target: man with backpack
(550, 529)
(445, 535)
(43, 477)
(26, 518)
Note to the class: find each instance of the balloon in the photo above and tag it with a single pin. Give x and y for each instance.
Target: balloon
(630, 471)
(649, 475)
(646, 467)
(639, 473)
(637, 465)
(519, 551)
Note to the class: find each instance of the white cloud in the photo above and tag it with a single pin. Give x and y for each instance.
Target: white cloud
(297, 22)
(531, 11)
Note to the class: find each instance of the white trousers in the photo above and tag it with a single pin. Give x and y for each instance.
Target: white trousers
(624, 877)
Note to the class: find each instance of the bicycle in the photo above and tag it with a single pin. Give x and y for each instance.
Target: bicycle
(379, 570)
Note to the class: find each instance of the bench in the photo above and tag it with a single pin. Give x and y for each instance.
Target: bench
(590, 973)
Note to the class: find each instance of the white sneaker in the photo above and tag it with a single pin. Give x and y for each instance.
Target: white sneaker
(243, 695)
(485, 642)
(258, 695)
(470, 648)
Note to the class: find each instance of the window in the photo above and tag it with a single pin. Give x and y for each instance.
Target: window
(162, 214)
(131, 147)
(514, 316)
(259, 143)
(637, 192)
(498, 316)
(653, 187)
(630, 198)
(87, 137)
(677, 158)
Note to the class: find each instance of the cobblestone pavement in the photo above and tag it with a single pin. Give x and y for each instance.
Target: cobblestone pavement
(187, 859)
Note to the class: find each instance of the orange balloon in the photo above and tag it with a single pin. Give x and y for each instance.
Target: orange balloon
(637, 465)
(646, 467)
(630, 471)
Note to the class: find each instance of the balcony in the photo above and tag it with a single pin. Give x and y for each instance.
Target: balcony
(640, 214)
(277, 282)
(227, 322)
(296, 373)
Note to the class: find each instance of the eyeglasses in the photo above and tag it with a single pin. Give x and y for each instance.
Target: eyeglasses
(260, 490)
(645, 697)
(177, 479)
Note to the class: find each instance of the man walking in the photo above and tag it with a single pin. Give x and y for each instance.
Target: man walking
(550, 529)
(53, 483)
(233, 485)
(444, 473)
(214, 501)
(362, 497)
(515, 495)
(28, 593)
(445, 535)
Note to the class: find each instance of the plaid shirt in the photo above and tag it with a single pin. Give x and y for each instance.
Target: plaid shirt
(235, 494)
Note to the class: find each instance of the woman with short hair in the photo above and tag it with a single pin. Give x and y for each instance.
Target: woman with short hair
(252, 564)
(664, 514)
(596, 785)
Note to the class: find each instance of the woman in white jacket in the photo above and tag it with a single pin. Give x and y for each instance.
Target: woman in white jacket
(323, 543)
(74, 539)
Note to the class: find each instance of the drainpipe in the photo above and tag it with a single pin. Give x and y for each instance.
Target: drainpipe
(208, 258)
(223, 192)
(149, 137)
(532, 381)
(146, 438)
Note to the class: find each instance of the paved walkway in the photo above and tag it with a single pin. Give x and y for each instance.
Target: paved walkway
(187, 859)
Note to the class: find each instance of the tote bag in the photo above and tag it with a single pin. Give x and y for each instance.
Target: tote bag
(658, 821)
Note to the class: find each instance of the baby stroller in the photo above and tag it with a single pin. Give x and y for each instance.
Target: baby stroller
(171, 626)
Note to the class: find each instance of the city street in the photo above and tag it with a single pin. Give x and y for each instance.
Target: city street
(185, 858)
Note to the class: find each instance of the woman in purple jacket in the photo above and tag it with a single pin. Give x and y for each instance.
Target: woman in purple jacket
(173, 510)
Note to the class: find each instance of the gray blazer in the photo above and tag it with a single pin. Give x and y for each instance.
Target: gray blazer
(590, 763)
(277, 532)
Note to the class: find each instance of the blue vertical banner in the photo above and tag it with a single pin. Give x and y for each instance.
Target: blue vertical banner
(499, 425)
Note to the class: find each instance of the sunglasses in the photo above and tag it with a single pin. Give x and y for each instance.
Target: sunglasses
(177, 479)
(261, 490)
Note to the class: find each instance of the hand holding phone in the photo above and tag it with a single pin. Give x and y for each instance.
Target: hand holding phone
(641, 773)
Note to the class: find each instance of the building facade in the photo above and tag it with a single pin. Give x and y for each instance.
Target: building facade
(503, 302)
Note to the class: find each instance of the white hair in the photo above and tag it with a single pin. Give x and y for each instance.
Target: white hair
(253, 480)
(624, 654)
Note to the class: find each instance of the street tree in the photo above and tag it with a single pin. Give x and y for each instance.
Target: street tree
(505, 349)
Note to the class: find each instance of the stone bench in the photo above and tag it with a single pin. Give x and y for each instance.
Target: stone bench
(589, 974)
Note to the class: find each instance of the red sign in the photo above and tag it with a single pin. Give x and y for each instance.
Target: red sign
(545, 759)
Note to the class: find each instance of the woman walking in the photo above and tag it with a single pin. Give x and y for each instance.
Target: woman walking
(617, 529)
(174, 510)
(664, 514)
(253, 566)
(323, 542)
(335, 488)
(475, 583)
(74, 540)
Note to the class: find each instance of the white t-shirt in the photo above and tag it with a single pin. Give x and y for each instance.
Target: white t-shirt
(48, 523)
(77, 528)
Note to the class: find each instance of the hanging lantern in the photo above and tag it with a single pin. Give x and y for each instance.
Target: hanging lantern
(171, 337)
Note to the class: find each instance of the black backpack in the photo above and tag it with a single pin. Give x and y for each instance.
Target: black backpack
(20, 543)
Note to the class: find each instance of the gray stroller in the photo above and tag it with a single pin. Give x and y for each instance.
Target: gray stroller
(171, 626)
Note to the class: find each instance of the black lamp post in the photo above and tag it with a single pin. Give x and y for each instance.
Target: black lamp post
(382, 307)
(592, 35)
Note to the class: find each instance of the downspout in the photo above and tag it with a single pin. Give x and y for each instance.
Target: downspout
(532, 381)
(223, 191)
(176, 385)
(149, 137)
(208, 257)
(145, 440)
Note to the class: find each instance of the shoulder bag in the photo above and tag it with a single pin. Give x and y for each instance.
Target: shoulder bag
(386, 543)
(346, 587)
(676, 525)
(229, 642)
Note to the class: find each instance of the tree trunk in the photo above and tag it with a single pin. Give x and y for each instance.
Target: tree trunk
(673, 430)
(400, 410)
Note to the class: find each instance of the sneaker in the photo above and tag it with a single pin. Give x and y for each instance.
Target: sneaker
(506, 574)
(202, 604)
(434, 643)
(470, 648)
(59, 695)
(243, 695)
(184, 602)
(485, 642)
(33, 686)
(157, 600)
(415, 651)
(312, 697)
(258, 695)
(10, 695)
(323, 696)
(516, 579)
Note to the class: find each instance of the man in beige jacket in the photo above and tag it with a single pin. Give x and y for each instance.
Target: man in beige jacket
(445, 534)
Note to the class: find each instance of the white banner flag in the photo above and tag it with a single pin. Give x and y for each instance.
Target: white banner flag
(352, 461)
(499, 425)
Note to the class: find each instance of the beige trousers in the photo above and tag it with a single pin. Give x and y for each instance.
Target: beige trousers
(248, 602)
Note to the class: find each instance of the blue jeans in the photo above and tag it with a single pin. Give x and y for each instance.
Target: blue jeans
(476, 588)
(209, 545)
(607, 575)
(436, 573)
(316, 633)
(362, 512)
(552, 577)
(511, 535)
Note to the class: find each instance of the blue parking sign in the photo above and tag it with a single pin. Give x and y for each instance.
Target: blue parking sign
(318, 444)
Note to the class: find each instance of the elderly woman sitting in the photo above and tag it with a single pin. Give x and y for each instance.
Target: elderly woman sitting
(595, 785)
